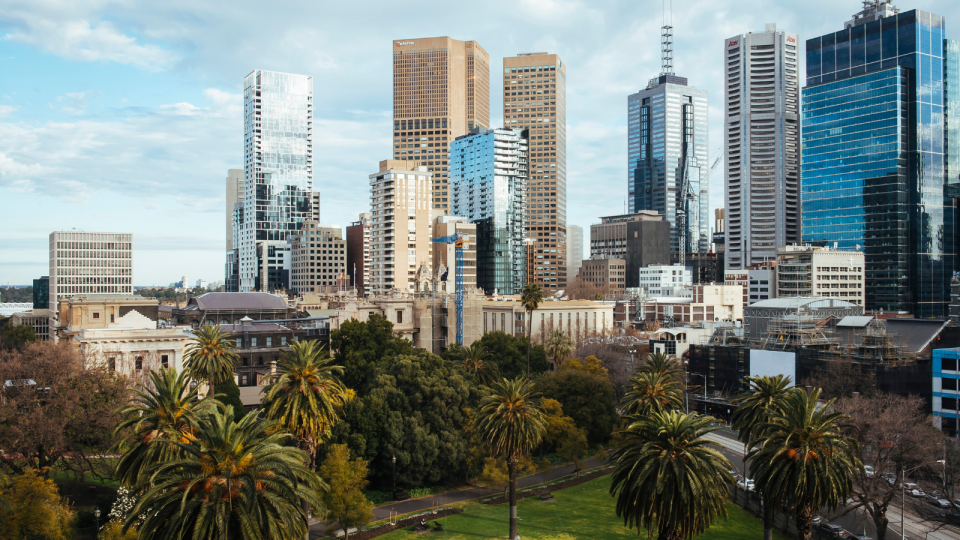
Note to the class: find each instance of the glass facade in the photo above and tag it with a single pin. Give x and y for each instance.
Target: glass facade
(489, 176)
(875, 156)
(278, 172)
(667, 134)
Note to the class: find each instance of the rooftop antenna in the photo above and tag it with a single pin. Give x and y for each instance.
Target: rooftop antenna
(666, 41)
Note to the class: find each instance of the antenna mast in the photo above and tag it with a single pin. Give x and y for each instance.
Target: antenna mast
(666, 43)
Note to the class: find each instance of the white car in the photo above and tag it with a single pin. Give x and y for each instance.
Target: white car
(746, 484)
(917, 493)
(869, 470)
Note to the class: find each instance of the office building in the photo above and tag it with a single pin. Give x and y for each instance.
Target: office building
(278, 174)
(318, 259)
(400, 225)
(315, 206)
(761, 133)
(234, 192)
(441, 90)
(445, 255)
(880, 132)
(234, 224)
(759, 282)
(821, 272)
(705, 266)
(667, 149)
(608, 274)
(358, 250)
(535, 99)
(719, 231)
(41, 293)
(89, 263)
(663, 280)
(488, 171)
(641, 238)
(574, 251)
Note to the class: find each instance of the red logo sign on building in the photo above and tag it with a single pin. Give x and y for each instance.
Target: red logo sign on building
(791, 39)
(733, 42)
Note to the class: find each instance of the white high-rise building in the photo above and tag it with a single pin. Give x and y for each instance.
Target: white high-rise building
(488, 175)
(89, 263)
(574, 251)
(278, 173)
(762, 146)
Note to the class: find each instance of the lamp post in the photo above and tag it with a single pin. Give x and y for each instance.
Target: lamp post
(394, 460)
(96, 514)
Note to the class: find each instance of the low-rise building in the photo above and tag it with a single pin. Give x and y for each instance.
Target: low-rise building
(608, 273)
(260, 344)
(759, 282)
(39, 319)
(229, 308)
(697, 304)
(821, 272)
(580, 319)
(665, 280)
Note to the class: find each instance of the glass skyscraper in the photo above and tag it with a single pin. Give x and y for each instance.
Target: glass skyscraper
(667, 133)
(488, 172)
(876, 159)
(278, 173)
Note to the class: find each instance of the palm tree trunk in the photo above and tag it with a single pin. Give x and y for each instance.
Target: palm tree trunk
(804, 520)
(512, 467)
(529, 343)
(307, 445)
(211, 388)
(769, 517)
(670, 535)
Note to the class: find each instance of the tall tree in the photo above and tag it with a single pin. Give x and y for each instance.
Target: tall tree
(511, 423)
(765, 397)
(662, 364)
(210, 355)
(360, 347)
(652, 392)
(587, 397)
(236, 480)
(558, 346)
(530, 298)
(507, 353)
(34, 510)
(895, 434)
(475, 363)
(804, 459)
(15, 337)
(165, 410)
(347, 478)
(668, 477)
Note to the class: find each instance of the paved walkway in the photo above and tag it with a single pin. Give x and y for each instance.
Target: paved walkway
(318, 529)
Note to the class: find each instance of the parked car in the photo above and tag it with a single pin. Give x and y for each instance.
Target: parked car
(890, 477)
(918, 493)
(829, 530)
(869, 470)
(816, 520)
(746, 484)
(940, 503)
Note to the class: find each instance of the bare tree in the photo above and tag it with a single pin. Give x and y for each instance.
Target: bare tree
(895, 435)
(582, 289)
(54, 412)
(841, 378)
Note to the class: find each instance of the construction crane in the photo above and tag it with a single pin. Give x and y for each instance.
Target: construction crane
(686, 195)
(459, 241)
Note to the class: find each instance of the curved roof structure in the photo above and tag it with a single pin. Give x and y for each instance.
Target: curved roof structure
(806, 302)
(237, 301)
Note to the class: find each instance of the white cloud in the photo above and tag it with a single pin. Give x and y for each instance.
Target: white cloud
(6, 110)
(180, 109)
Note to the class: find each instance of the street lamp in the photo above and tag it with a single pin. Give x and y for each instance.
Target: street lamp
(394, 460)
(96, 514)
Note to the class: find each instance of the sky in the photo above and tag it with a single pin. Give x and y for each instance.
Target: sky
(124, 116)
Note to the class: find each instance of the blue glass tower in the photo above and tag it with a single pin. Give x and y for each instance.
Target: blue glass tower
(880, 153)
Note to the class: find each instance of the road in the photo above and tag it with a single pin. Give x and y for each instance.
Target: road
(855, 522)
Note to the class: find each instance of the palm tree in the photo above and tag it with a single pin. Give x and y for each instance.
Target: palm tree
(169, 411)
(511, 424)
(652, 392)
(766, 397)
(474, 356)
(804, 459)
(236, 480)
(530, 298)
(669, 477)
(659, 362)
(305, 395)
(210, 356)
(559, 346)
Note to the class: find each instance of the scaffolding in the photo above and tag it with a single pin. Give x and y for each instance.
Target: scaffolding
(798, 331)
(875, 345)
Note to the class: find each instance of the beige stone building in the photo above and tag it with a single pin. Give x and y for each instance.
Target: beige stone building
(821, 272)
(120, 332)
(318, 259)
(534, 98)
(445, 254)
(400, 229)
(441, 89)
(603, 272)
(579, 318)
(39, 319)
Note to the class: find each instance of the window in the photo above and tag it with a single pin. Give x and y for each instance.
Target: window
(399, 317)
(244, 361)
(948, 404)
(269, 341)
(239, 342)
(243, 380)
(96, 315)
(111, 317)
(283, 340)
(138, 365)
(164, 361)
(259, 360)
(950, 384)
(253, 342)
(949, 364)
(112, 364)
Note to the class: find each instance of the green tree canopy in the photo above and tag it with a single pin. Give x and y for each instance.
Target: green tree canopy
(35, 510)
(345, 501)
(228, 393)
(509, 353)
(586, 397)
(416, 412)
(14, 337)
(360, 346)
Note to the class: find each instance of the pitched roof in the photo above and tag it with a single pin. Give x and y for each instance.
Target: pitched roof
(238, 301)
(855, 320)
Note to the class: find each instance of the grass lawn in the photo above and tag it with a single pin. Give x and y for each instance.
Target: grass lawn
(581, 512)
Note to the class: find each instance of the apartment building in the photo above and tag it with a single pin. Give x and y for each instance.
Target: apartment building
(400, 239)
(534, 99)
(820, 272)
(662, 280)
(318, 259)
(358, 250)
(610, 274)
(441, 90)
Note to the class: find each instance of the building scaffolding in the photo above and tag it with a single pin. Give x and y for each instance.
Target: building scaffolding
(798, 331)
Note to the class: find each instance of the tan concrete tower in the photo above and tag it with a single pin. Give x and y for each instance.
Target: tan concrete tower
(534, 98)
(441, 89)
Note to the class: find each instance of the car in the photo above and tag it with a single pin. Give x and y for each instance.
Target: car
(829, 530)
(940, 503)
(910, 486)
(891, 478)
(816, 520)
(869, 470)
(746, 484)
(918, 493)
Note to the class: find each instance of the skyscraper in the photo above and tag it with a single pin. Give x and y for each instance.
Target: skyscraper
(278, 173)
(535, 99)
(234, 224)
(489, 176)
(879, 162)
(441, 90)
(761, 143)
(234, 185)
(667, 149)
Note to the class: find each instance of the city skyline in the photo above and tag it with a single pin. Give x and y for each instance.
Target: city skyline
(111, 112)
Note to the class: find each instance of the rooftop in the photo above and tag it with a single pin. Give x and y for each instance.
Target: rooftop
(807, 302)
(237, 301)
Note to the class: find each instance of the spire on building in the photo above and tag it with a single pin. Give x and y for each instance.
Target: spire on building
(666, 42)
